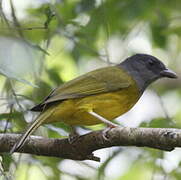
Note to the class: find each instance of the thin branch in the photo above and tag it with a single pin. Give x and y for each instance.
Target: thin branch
(15, 20)
(104, 15)
(25, 28)
(82, 149)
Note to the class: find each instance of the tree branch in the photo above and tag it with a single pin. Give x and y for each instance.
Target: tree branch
(82, 148)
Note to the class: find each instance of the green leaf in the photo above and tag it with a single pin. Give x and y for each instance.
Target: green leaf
(159, 123)
(6, 161)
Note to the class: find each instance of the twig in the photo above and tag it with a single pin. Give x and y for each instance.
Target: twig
(25, 28)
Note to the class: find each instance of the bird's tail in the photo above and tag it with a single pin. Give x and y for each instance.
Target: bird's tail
(39, 121)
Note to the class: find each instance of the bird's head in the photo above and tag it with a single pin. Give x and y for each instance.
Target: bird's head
(145, 69)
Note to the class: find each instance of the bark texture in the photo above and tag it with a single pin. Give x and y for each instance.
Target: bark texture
(85, 145)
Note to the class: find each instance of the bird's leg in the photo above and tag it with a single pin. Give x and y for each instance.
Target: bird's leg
(107, 122)
(74, 135)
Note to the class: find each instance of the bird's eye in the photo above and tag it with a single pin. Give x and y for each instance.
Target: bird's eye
(151, 62)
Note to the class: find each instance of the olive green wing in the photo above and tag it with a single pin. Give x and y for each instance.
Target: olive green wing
(98, 81)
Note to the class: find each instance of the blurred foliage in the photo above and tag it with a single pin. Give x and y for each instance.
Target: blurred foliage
(55, 41)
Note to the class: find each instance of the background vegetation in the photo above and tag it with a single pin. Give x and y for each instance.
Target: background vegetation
(46, 43)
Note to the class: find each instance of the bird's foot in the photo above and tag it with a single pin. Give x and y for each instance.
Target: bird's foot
(73, 136)
(109, 127)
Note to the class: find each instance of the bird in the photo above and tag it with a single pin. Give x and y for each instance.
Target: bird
(98, 96)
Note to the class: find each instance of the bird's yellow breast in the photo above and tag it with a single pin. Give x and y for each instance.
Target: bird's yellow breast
(109, 105)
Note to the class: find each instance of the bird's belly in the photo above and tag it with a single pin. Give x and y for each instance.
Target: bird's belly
(108, 105)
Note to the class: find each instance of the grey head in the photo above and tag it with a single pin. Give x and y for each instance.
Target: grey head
(145, 69)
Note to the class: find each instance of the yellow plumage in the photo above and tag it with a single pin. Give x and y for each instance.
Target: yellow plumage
(108, 105)
(108, 92)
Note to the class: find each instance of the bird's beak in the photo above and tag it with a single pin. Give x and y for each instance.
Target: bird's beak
(168, 73)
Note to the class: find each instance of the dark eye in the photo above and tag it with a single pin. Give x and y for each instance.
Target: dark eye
(150, 62)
